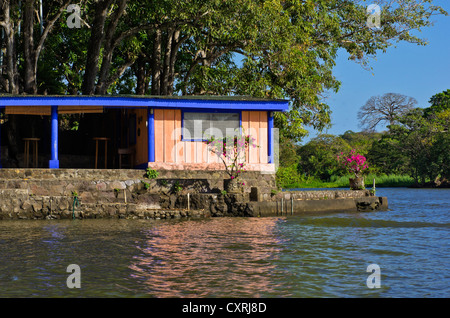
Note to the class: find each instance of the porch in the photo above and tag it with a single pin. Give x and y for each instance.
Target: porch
(148, 131)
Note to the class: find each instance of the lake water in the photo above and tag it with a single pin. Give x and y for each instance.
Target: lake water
(296, 256)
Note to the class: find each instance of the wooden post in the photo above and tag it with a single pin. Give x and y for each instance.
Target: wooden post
(292, 205)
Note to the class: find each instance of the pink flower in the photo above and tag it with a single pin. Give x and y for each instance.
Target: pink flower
(354, 162)
(232, 177)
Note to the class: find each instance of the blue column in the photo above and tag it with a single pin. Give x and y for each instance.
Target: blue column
(0, 143)
(270, 150)
(54, 161)
(151, 134)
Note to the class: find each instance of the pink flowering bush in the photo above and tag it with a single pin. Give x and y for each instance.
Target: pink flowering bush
(231, 150)
(353, 162)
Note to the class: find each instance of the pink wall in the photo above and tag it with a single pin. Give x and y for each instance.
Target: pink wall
(171, 151)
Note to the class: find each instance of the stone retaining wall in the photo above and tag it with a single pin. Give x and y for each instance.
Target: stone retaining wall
(101, 179)
(50, 194)
(18, 204)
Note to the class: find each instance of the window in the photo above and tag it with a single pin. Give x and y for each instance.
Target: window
(198, 126)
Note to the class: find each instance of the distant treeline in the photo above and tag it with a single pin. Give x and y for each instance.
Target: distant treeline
(415, 150)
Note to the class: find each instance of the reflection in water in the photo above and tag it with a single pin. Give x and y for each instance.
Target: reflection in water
(208, 258)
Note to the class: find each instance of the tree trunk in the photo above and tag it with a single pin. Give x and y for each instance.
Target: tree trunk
(11, 65)
(109, 49)
(176, 42)
(166, 68)
(156, 64)
(141, 76)
(29, 81)
(94, 46)
(44, 34)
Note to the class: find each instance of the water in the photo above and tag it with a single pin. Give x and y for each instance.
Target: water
(297, 256)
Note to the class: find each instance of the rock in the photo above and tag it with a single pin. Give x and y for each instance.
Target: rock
(26, 206)
(37, 206)
(101, 186)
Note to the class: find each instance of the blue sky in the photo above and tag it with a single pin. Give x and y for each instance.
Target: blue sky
(408, 69)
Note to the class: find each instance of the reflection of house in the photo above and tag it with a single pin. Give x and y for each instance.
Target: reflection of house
(162, 132)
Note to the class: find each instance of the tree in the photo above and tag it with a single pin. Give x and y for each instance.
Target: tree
(267, 48)
(384, 109)
(13, 13)
(439, 102)
(360, 140)
(318, 157)
(387, 157)
(424, 141)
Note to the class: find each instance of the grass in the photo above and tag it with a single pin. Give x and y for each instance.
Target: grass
(342, 182)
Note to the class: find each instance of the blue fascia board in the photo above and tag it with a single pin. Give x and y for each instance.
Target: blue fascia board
(154, 102)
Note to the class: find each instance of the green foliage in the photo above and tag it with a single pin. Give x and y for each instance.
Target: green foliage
(422, 139)
(385, 156)
(361, 140)
(177, 187)
(146, 185)
(439, 103)
(382, 180)
(416, 150)
(288, 176)
(151, 174)
(388, 162)
(318, 157)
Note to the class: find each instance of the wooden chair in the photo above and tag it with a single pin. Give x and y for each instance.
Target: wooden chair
(105, 140)
(130, 152)
(34, 142)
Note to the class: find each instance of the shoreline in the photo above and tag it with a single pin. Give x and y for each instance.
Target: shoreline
(387, 183)
(377, 186)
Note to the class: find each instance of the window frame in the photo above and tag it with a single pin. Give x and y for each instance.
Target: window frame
(207, 111)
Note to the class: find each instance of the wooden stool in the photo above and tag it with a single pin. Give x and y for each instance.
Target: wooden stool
(126, 151)
(27, 150)
(97, 139)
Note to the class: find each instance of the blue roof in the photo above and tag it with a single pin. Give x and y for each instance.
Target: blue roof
(179, 102)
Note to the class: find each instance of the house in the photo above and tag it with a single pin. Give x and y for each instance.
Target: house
(161, 132)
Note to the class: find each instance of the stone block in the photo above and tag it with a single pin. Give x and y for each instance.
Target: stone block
(383, 203)
(26, 206)
(101, 186)
(37, 206)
